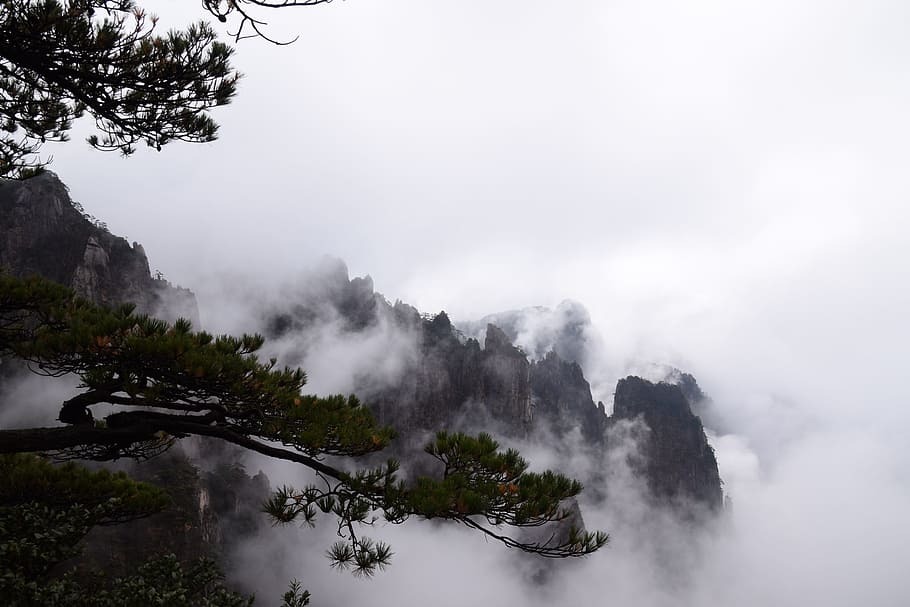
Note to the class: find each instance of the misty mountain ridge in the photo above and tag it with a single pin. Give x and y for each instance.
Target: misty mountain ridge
(517, 374)
(458, 377)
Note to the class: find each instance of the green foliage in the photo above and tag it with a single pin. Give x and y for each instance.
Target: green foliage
(478, 479)
(45, 511)
(164, 582)
(61, 59)
(478, 482)
(295, 596)
(175, 382)
(361, 555)
(113, 496)
(34, 537)
(160, 582)
(128, 359)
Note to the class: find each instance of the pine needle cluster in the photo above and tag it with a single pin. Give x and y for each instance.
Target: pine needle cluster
(63, 59)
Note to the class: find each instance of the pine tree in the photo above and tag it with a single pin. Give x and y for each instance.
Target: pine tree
(248, 15)
(171, 382)
(45, 511)
(62, 59)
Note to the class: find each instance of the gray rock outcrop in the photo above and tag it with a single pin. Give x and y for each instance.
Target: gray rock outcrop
(454, 383)
(458, 385)
(42, 232)
(562, 398)
(678, 463)
(45, 234)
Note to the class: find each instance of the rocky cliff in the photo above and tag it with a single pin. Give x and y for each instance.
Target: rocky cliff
(212, 512)
(45, 233)
(454, 382)
(565, 330)
(562, 398)
(678, 462)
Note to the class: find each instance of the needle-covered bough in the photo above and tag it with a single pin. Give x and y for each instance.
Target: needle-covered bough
(167, 382)
(61, 60)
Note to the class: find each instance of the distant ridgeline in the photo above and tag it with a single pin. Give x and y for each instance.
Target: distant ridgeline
(452, 381)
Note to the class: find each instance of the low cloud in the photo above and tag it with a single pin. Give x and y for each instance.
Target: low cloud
(812, 513)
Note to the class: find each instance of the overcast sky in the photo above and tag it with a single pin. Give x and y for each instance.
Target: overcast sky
(711, 179)
(723, 184)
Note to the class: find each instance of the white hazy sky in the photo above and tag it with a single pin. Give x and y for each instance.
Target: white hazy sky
(722, 183)
(716, 181)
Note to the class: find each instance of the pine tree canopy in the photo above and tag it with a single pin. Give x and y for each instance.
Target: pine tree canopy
(167, 382)
(46, 511)
(61, 59)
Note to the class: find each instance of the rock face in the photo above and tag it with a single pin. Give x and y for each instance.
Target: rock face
(505, 378)
(44, 233)
(679, 464)
(562, 398)
(564, 330)
(211, 513)
(702, 404)
(329, 297)
(188, 528)
(455, 383)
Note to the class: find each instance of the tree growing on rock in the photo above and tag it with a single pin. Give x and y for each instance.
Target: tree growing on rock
(45, 512)
(167, 382)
